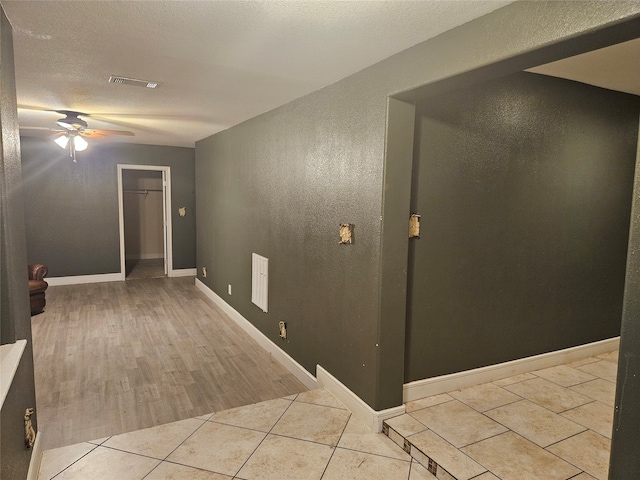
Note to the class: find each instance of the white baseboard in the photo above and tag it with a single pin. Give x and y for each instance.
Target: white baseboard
(78, 279)
(446, 383)
(278, 354)
(10, 357)
(184, 272)
(36, 459)
(373, 418)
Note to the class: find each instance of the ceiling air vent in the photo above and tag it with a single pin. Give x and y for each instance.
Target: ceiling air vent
(134, 82)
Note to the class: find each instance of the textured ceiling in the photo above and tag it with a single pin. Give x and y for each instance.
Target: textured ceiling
(616, 67)
(220, 62)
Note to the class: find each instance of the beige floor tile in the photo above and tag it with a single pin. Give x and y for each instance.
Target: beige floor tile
(596, 416)
(107, 464)
(548, 395)
(484, 397)
(350, 465)
(427, 402)
(582, 361)
(218, 448)
(602, 369)
(156, 442)
(173, 471)
(282, 458)
(311, 422)
(537, 424)
(418, 472)
(204, 417)
(358, 436)
(320, 397)
(515, 379)
(99, 441)
(564, 376)
(525, 460)
(405, 425)
(57, 459)
(457, 423)
(259, 416)
(588, 451)
(488, 476)
(610, 356)
(583, 476)
(445, 455)
(599, 389)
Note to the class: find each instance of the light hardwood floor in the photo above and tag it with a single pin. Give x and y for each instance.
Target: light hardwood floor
(121, 356)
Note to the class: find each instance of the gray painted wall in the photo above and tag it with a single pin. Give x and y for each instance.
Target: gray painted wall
(280, 184)
(625, 461)
(524, 187)
(14, 291)
(72, 208)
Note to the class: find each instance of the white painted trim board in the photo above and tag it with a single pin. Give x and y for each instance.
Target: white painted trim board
(79, 279)
(373, 418)
(185, 272)
(10, 355)
(447, 383)
(36, 459)
(279, 355)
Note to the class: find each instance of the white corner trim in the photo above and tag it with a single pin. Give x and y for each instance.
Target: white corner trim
(10, 355)
(373, 418)
(78, 279)
(455, 381)
(36, 459)
(278, 354)
(184, 272)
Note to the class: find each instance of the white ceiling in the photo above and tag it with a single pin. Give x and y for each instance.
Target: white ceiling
(615, 68)
(220, 62)
(223, 62)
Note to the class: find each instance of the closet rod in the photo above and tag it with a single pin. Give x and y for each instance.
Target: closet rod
(143, 191)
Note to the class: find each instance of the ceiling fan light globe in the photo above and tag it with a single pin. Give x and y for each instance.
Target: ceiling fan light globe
(62, 141)
(79, 143)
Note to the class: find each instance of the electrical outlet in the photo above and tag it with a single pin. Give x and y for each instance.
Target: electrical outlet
(229, 289)
(283, 330)
(204, 272)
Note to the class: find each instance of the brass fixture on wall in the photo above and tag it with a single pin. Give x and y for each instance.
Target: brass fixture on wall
(346, 233)
(414, 226)
(29, 432)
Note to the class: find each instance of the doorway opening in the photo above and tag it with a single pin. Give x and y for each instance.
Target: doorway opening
(145, 223)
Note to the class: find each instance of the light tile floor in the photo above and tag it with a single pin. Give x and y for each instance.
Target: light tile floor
(551, 424)
(306, 436)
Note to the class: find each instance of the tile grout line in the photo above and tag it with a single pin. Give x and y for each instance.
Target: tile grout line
(65, 468)
(181, 443)
(266, 434)
(432, 466)
(335, 447)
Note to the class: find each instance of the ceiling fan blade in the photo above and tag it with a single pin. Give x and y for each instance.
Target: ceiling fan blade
(97, 133)
(41, 131)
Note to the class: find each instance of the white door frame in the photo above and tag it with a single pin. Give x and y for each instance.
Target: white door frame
(166, 209)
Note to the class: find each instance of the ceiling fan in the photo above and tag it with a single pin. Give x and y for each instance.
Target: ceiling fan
(75, 129)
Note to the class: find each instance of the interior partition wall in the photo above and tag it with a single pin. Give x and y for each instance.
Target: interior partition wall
(524, 188)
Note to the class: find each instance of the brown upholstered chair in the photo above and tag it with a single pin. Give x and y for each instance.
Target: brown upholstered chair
(37, 286)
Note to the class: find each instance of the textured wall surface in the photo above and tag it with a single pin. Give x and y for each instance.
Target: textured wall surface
(281, 183)
(625, 462)
(72, 208)
(525, 190)
(14, 291)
